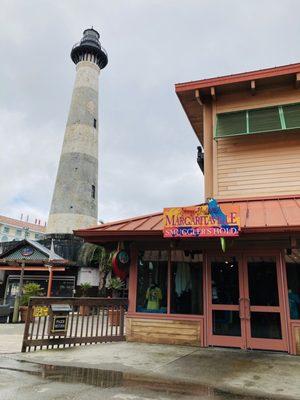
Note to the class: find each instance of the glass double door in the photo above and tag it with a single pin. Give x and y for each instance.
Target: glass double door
(245, 302)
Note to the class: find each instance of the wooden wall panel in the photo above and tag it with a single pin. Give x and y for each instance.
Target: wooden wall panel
(263, 98)
(297, 339)
(259, 165)
(164, 331)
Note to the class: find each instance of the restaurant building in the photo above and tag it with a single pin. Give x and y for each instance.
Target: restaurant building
(227, 272)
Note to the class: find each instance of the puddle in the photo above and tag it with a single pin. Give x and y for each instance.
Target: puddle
(116, 379)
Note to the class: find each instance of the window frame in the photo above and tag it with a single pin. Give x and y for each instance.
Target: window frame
(292, 320)
(248, 132)
(169, 282)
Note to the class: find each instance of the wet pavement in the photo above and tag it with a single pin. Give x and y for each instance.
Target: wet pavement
(132, 371)
(26, 380)
(251, 373)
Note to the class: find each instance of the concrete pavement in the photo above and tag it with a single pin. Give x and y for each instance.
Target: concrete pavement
(266, 374)
(11, 336)
(245, 373)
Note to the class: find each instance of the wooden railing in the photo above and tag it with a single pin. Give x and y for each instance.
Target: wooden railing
(54, 322)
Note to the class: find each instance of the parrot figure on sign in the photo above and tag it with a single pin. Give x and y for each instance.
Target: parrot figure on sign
(216, 212)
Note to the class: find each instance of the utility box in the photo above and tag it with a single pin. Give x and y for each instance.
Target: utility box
(59, 319)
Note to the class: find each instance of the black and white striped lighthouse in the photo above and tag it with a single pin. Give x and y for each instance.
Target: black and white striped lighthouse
(75, 198)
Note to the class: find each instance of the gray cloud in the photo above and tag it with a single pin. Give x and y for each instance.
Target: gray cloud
(147, 148)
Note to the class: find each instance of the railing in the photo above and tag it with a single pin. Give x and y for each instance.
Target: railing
(54, 322)
(78, 44)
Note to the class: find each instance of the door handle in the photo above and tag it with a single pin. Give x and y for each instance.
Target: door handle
(248, 311)
(241, 308)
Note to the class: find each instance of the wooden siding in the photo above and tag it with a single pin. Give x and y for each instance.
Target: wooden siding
(297, 339)
(258, 165)
(263, 98)
(164, 331)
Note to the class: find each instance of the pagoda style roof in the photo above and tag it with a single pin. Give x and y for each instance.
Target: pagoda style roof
(30, 252)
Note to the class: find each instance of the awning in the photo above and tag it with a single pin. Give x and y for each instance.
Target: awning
(280, 214)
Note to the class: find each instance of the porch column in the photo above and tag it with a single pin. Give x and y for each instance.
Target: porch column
(50, 281)
(208, 150)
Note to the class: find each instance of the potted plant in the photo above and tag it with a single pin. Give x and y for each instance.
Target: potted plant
(84, 290)
(115, 284)
(29, 290)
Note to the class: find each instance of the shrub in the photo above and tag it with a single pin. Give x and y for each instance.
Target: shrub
(30, 290)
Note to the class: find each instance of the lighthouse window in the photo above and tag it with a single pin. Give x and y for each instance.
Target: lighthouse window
(93, 191)
(95, 123)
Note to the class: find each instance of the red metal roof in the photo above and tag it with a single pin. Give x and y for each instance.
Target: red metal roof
(280, 214)
(240, 77)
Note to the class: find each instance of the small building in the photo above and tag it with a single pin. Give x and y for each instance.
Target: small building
(55, 275)
(227, 272)
(15, 229)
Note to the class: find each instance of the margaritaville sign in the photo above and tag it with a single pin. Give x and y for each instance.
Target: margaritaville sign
(206, 220)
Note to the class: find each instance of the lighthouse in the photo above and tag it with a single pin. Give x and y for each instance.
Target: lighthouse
(75, 197)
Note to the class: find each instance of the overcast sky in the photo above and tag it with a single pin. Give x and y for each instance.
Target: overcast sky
(147, 153)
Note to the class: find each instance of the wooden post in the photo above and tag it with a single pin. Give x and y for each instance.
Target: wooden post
(208, 151)
(26, 328)
(50, 281)
(132, 286)
(19, 295)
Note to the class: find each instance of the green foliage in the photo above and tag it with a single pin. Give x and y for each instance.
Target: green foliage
(115, 284)
(84, 289)
(105, 264)
(30, 290)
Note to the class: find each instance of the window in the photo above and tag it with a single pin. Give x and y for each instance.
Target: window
(152, 281)
(5, 229)
(267, 119)
(95, 123)
(18, 232)
(186, 283)
(291, 115)
(183, 271)
(93, 191)
(231, 124)
(4, 238)
(36, 235)
(293, 278)
(61, 286)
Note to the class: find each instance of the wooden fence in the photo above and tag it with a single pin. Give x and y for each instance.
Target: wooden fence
(53, 322)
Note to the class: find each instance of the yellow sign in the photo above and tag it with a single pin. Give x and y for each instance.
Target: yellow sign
(40, 311)
(206, 220)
